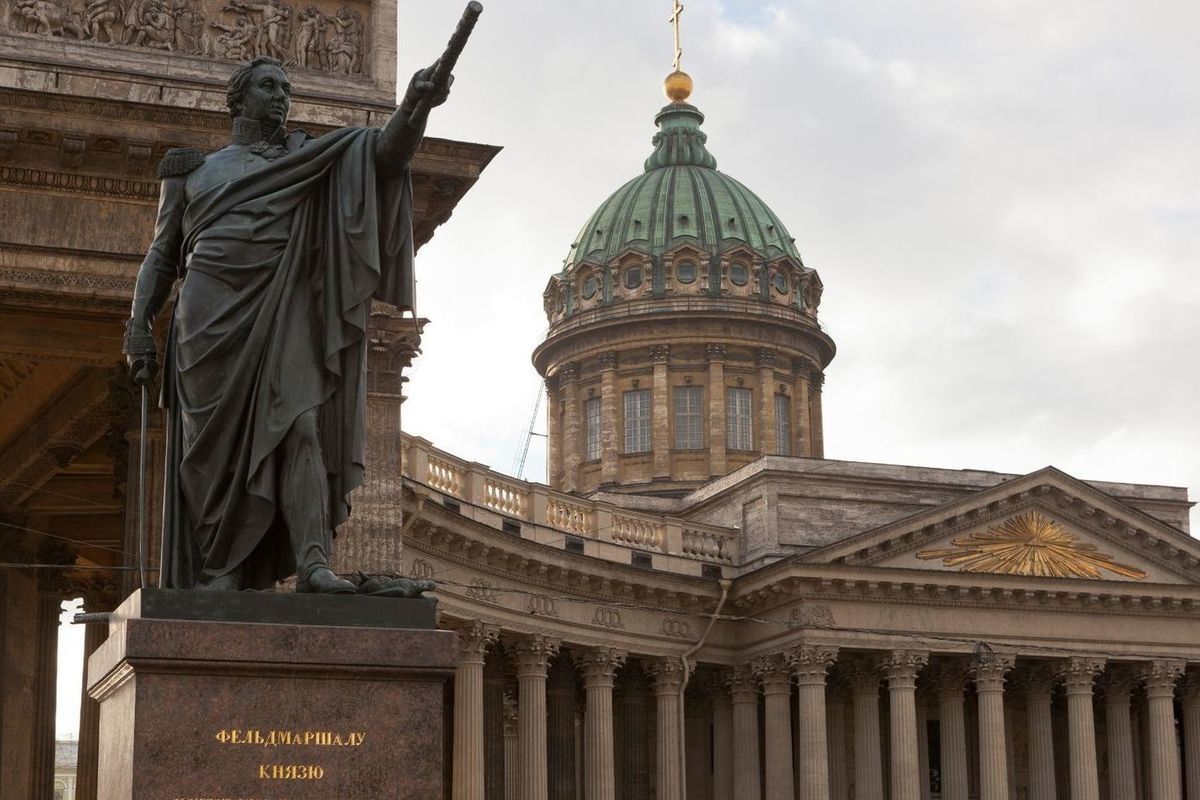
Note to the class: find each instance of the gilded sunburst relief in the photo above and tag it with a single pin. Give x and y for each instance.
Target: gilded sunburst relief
(1029, 544)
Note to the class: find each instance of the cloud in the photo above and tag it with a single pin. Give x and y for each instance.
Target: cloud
(1000, 198)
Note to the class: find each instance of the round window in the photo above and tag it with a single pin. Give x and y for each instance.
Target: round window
(685, 272)
(590, 287)
(738, 274)
(780, 282)
(633, 277)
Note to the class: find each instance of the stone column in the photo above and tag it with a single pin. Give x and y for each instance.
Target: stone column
(572, 433)
(560, 734)
(1191, 733)
(901, 668)
(923, 743)
(98, 596)
(801, 379)
(633, 699)
(668, 677)
(554, 433)
(766, 401)
(599, 666)
(868, 764)
(993, 749)
(810, 664)
(716, 409)
(611, 429)
(1038, 685)
(818, 424)
(743, 691)
(1159, 678)
(45, 687)
(1078, 673)
(660, 404)
(474, 638)
(722, 711)
(1118, 685)
(532, 655)
(772, 673)
(949, 679)
(512, 751)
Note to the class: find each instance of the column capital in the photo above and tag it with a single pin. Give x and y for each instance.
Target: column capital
(1191, 685)
(988, 672)
(948, 677)
(772, 672)
(802, 368)
(608, 361)
(567, 373)
(901, 667)
(810, 663)
(531, 654)
(1037, 680)
(1159, 676)
(668, 674)
(743, 688)
(660, 353)
(1078, 673)
(863, 675)
(474, 638)
(599, 665)
(816, 380)
(766, 357)
(714, 352)
(1118, 684)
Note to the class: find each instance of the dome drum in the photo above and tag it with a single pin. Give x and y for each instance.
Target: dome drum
(686, 271)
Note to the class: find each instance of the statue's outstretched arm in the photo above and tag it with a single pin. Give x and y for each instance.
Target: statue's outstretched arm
(155, 278)
(402, 133)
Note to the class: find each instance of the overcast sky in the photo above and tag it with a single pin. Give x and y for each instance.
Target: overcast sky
(1000, 196)
(1001, 199)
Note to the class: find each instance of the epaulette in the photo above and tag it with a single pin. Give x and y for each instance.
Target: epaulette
(296, 138)
(179, 161)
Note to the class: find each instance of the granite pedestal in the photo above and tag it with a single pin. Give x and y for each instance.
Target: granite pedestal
(237, 696)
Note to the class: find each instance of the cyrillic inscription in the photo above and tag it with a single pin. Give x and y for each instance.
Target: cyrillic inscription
(256, 736)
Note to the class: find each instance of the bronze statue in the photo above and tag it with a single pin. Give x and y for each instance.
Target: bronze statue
(281, 241)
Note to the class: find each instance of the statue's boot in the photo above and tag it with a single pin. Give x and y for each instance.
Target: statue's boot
(229, 582)
(322, 580)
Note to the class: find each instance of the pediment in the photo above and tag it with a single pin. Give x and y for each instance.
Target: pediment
(1044, 525)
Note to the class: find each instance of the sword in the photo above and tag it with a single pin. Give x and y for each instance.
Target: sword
(141, 531)
(445, 64)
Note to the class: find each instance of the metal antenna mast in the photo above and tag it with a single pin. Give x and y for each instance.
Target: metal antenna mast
(519, 464)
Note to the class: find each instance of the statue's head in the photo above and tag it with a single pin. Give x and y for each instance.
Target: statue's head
(260, 90)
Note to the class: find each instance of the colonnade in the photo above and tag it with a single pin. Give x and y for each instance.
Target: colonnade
(815, 723)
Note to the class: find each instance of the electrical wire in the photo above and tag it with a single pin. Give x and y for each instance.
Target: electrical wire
(49, 535)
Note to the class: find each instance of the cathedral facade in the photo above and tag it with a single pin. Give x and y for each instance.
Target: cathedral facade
(700, 604)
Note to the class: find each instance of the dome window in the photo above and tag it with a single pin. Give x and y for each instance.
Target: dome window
(685, 271)
(739, 275)
(633, 277)
(780, 282)
(590, 287)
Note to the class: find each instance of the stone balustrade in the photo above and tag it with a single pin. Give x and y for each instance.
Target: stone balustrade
(547, 516)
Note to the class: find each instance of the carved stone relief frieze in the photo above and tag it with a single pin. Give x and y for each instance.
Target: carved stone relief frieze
(314, 37)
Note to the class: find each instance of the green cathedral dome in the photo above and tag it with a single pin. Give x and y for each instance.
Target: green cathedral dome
(680, 198)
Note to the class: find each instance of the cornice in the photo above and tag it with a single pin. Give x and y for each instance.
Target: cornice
(75, 183)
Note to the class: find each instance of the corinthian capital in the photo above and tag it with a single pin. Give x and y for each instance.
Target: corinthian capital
(810, 663)
(474, 638)
(1078, 673)
(599, 665)
(1160, 675)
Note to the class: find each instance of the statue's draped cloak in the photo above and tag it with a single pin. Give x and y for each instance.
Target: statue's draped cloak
(280, 269)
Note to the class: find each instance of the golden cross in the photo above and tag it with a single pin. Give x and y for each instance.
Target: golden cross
(676, 10)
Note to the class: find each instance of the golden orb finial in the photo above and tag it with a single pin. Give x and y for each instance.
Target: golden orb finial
(678, 86)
